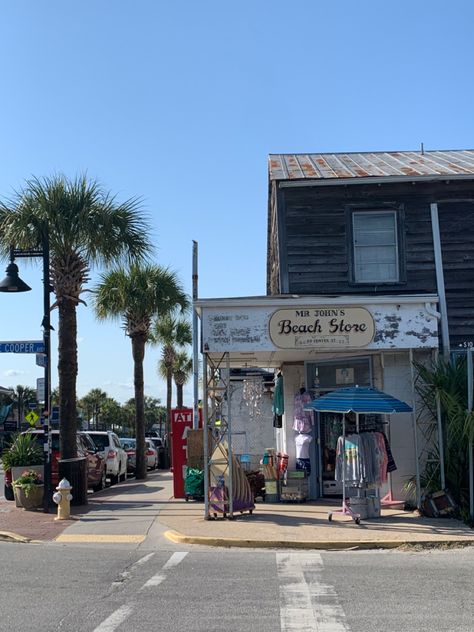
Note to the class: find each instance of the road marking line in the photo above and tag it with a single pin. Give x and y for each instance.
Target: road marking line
(116, 618)
(110, 539)
(154, 581)
(174, 560)
(142, 560)
(306, 603)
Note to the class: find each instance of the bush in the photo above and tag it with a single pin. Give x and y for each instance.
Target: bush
(23, 452)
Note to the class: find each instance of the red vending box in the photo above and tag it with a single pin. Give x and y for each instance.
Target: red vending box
(181, 420)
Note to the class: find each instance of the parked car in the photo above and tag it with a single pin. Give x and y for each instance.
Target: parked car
(110, 449)
(151, 453)
(128, 444)
(96, 466)
(160, 448)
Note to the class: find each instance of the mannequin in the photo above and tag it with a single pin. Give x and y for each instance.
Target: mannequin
(303, 424)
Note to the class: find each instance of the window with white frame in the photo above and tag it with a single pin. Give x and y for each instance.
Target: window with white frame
(375, 247)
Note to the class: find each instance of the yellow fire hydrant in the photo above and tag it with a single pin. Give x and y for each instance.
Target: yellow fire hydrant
(62, 497)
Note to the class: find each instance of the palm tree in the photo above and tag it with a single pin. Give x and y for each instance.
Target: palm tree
(136, 296)
(21, 395)
(92, 403)
(182, 370)
(84, 227)
(172, 333)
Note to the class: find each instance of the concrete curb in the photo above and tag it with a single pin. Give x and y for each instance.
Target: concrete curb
(323, 545)
(9, 536)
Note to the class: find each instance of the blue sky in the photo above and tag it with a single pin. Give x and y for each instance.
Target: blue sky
(181, 102)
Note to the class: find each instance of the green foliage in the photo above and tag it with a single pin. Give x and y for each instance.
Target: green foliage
(446, 383)
(23, 451)
(28, 480)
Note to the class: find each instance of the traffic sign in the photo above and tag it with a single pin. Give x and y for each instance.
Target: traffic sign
(32, 417)
(41, 359)
(40, 389)
(22, 346)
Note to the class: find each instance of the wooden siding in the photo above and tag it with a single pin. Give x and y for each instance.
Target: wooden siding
(456, 221)
(315, 252)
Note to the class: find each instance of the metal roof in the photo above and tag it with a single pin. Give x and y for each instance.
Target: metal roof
(388, 164)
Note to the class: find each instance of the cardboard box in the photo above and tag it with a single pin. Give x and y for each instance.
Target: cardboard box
(195, 448)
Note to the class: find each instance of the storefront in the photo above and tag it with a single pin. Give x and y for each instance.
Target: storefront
(319, 345)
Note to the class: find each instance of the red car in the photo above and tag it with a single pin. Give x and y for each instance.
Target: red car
(96, 466)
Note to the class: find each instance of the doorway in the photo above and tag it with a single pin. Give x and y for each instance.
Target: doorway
(321, 378)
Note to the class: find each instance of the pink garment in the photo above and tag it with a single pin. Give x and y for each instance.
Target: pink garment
(302, 419)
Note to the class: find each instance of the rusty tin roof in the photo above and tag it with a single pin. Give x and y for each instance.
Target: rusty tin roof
(383, 164)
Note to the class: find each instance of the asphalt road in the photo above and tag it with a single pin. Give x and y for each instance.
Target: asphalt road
(97, 588)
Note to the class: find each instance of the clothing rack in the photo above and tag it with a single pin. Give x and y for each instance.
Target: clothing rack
(345, 508)
(368, 424)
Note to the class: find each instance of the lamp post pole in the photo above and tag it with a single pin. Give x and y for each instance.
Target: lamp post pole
(12, 283)
(46, 324)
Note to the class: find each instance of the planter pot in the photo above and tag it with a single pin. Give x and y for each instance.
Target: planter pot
(32, 501)
(18, 470)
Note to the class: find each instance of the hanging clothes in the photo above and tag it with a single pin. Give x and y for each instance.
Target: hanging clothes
(278, 403)
(366, 459)
(302, 419)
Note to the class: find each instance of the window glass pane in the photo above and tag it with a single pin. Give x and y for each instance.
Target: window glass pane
(385, 273)
(380, 254)
(375, 247)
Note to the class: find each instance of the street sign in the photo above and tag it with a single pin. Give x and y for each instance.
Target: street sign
(41, 359)
(22, 346)
(32, 417)
(9, 426)
(40, 389)
(32, 405)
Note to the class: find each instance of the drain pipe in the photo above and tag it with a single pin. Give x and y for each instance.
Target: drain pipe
(440, 279)
(195, 339)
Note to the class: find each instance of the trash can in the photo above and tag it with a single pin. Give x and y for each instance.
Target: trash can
(75, 471)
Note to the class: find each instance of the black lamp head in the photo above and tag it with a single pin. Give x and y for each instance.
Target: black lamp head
(12, 282)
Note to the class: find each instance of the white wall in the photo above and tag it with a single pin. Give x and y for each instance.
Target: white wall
(259, 431)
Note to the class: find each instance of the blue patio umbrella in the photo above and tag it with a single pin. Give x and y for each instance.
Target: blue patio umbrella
(358, 399)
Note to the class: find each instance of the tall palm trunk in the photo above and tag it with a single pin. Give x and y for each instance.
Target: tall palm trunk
(169, 394)
(138, 352)
(179, 395)
(67, 369)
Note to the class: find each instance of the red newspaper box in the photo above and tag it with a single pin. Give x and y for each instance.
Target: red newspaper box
(181, 420)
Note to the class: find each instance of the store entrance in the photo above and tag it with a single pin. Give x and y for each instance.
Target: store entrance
(321, 378)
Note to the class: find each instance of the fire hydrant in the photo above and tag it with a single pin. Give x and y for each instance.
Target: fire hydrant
(62, 497)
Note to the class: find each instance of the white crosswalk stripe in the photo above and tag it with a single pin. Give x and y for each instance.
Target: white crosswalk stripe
(307, 604)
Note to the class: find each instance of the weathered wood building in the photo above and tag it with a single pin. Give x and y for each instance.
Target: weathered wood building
(369, 224)
(370, 266)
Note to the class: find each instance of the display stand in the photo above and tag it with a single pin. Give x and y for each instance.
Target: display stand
(345, 508)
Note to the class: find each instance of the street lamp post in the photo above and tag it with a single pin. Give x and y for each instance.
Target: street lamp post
(13, 283)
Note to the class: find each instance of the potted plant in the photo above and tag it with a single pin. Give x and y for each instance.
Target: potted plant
(29, 489)
(24, 452)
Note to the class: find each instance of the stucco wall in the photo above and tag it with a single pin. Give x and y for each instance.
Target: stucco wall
(259, 431)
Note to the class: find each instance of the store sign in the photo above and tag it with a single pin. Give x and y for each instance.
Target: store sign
(322, 327)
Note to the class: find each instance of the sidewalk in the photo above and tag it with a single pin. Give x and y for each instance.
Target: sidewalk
(137, 510)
